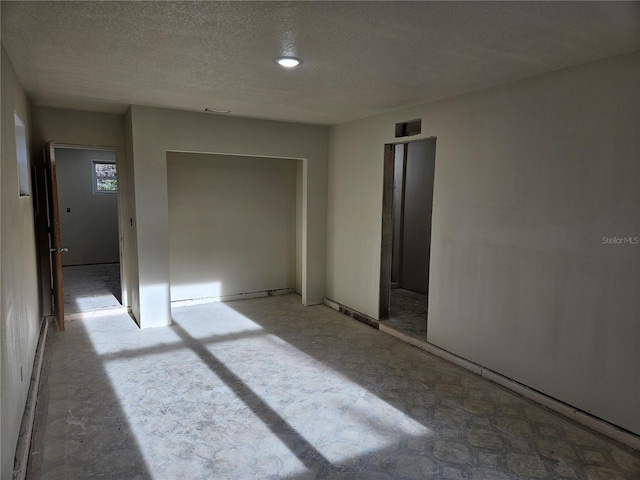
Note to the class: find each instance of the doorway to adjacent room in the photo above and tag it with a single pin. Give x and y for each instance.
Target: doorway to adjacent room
(88, 209)
(406, 236)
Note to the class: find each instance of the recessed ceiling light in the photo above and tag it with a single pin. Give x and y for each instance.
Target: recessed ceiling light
(216, 110)
(288, 62)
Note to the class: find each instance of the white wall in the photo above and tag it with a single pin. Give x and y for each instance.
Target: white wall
(529, 177)
(155, 131)
(19, 299)
(232, 224)
(90, 229)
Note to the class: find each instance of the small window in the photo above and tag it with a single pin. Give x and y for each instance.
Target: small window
(21, 155)
(105, 177)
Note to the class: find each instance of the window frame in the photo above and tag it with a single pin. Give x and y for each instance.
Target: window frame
(94, 178)
(22, 156)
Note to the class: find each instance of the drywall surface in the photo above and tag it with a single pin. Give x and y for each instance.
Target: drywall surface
(88, 220)
(91, 129)
(76, 127)
(531, 179)
(418, 196)
(19, 299)
(156, 131)
(232, 224)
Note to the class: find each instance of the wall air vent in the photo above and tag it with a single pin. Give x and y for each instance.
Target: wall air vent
(407, 129)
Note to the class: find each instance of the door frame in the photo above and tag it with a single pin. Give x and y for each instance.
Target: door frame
(124, 233)
(53, 233)
(386, 244)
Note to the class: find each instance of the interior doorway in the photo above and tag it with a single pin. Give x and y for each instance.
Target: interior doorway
(88, 202)
(406, 236)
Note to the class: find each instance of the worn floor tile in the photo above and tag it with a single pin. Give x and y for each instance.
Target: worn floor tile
(89, 288)
(268, 389)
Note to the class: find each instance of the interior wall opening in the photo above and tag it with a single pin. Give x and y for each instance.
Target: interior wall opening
(407, 207)
(234, 226)
(89, 210)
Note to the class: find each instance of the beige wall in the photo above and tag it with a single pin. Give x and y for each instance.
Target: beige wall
(232, 224)
(90, 229)
(91, 129)
(529, 177)
(19, 299)
(155, 131)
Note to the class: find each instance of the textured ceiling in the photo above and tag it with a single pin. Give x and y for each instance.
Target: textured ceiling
(360, 58)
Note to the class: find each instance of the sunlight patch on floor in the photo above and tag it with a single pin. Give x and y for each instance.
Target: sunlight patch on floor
(337, 416)
(217, 382)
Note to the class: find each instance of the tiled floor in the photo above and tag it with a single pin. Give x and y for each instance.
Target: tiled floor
(268, 389)
(89, 288)
(408, 314)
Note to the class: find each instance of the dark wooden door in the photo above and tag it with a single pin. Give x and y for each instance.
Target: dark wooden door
(53, 230)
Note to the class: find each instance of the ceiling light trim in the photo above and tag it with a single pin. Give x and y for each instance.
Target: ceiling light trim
(288, 62)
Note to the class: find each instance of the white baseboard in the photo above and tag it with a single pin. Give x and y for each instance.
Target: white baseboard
(229, 298)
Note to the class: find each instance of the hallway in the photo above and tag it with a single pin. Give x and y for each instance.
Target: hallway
(92, 290)
(267, 388)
